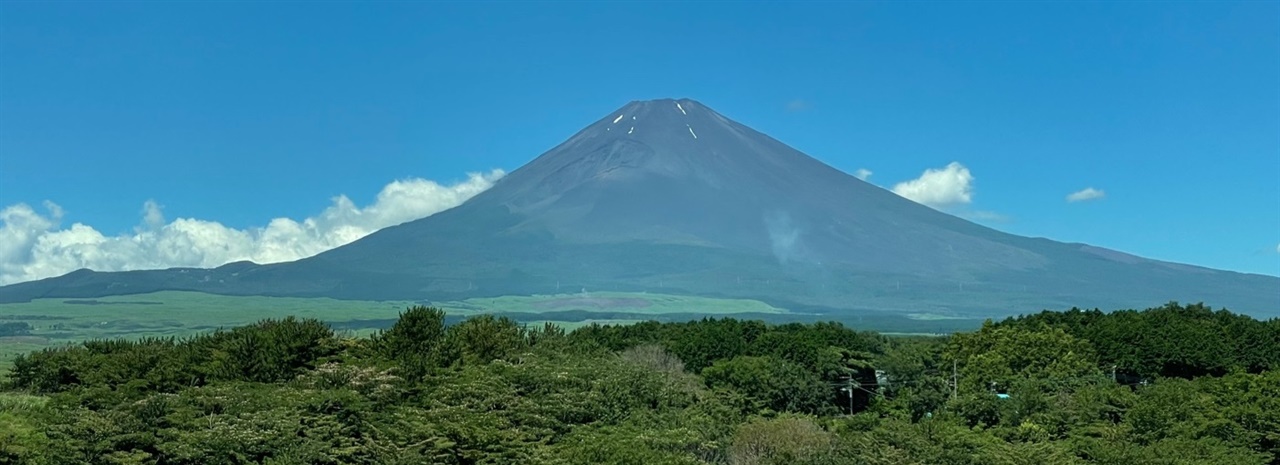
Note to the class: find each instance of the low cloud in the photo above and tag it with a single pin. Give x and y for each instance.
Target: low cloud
(1086, 194)
(784, 237)
(32, 245)
(862, 174)
(949, 186)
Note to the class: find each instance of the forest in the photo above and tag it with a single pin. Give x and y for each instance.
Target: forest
(1176, 384)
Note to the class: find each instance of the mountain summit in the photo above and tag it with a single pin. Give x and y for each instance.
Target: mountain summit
(671, 196)
(677, 172)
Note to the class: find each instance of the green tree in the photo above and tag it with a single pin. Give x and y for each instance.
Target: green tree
(995, 358)
(482, 339)
(770, 384)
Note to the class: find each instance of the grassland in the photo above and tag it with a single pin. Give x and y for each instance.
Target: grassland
(613, 302)
(172, 313)
(57, 322)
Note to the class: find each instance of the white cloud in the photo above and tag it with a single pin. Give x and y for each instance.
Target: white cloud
(1277, 248)
(862, 174)
(1086, 194)
(32, 247)
(939, 188)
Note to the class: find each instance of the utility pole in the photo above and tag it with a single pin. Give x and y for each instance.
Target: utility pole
(850, 389)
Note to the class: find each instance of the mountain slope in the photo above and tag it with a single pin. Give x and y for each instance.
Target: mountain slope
(670, 196)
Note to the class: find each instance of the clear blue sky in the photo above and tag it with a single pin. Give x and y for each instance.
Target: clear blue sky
(241, 112)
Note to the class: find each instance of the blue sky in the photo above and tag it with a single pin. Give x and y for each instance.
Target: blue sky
(236, 114)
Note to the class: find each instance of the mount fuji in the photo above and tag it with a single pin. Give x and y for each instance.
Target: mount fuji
(670, 196)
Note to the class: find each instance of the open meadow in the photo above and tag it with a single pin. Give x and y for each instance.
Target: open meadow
(54, 322)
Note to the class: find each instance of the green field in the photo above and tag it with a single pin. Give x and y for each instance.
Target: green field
(639, 303)
(62, 321)
(174, 313)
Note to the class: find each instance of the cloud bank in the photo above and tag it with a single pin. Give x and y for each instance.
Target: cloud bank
(862, 174)
(1086, 194)
(32, 245)
(939, 188)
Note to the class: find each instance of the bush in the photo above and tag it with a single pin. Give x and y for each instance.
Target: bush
(788, 440)
(273, 351)
(770, 383)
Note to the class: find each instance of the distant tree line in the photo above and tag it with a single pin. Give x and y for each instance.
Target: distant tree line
(15, 328)
(1032, 390)
(1172, 340)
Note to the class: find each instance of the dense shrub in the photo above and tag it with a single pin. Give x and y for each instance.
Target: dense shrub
(488, 391)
